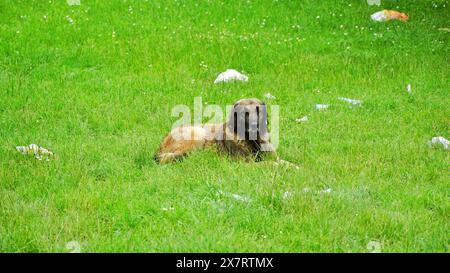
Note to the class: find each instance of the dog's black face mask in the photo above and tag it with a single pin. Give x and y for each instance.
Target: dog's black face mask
(248, 120)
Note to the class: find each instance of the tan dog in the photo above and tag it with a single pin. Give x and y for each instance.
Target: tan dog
(245, 134)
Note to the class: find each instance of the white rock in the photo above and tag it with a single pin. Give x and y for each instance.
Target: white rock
(351, 101)
(322, 106)
(303, 119)
(440, 140)
(231, 75)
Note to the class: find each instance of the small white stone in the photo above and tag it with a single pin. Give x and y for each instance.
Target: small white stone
(230, 75)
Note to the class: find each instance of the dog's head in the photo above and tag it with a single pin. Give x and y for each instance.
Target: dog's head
(248, 120)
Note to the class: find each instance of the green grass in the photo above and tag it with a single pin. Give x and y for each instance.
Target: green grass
(103, 105)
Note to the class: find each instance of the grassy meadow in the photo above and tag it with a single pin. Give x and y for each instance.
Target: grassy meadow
(96, 83)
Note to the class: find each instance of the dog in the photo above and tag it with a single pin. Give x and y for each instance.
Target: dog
(245, 134)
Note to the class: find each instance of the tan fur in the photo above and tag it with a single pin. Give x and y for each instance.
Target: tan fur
(185, 139)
